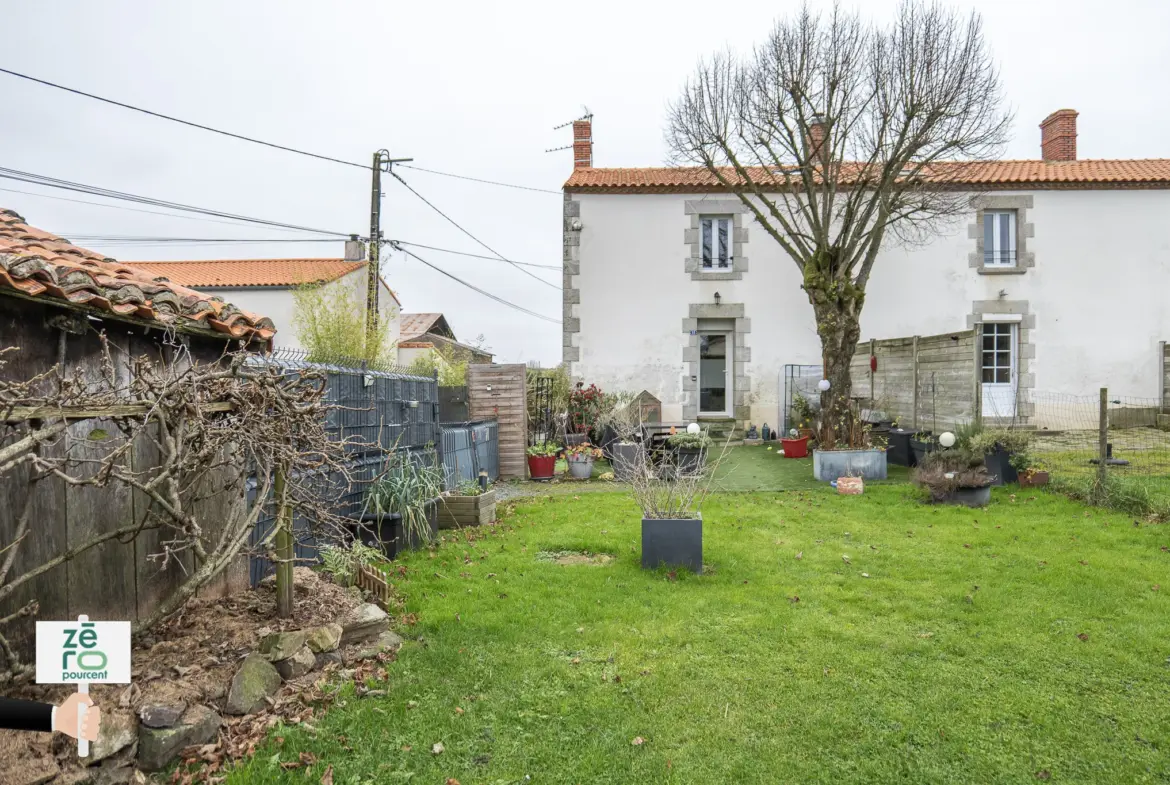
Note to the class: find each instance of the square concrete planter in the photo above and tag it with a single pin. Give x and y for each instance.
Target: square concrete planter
(625, 459)
(458, 511)
(829, 465)
(673, 543)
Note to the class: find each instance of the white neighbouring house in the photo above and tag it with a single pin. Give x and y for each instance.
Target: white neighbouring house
(1063, 266)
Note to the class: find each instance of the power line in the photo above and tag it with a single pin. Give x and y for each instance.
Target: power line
(454, 223)
(231, 240)
(69, 185)
(479, 180)
(123, 207)
(522, 309)
(251, 139)
(182, 122)
(478, 256)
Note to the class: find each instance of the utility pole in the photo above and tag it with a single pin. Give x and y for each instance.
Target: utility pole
(382, 160)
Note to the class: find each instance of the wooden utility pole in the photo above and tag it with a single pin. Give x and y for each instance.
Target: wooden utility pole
(382, 160)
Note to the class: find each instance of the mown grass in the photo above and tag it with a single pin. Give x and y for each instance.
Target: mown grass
(1028, 639)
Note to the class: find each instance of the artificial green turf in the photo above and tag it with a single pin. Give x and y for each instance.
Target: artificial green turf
(957, 659)
(758, 468)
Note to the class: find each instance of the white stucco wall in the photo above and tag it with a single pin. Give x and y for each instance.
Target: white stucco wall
(278, 304)
(1102, 270)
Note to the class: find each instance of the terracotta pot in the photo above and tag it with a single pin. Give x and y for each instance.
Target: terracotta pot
(542, 467)
(795, 448)
(1035, 479)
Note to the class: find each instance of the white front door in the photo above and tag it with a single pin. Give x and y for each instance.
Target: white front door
(715, 373)
(1000, 342)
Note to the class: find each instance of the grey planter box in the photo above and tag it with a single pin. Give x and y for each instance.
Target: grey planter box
(673, 543)
(970, 497)
(829, 465)
(625, 457)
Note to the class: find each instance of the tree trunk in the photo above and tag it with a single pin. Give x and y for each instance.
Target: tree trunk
(837, 307)
(284, 549)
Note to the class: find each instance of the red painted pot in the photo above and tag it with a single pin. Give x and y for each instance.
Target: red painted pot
(541, 467)
(795, 448)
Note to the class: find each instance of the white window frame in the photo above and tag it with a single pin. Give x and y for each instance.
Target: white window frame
(995, 254)
(712, 255)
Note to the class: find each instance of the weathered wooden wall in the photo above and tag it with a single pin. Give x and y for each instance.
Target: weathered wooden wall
(924, 381)
(114, 580)
(497, 391)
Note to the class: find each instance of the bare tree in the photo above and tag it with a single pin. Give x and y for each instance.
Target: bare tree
(213, 427)
(837, 134)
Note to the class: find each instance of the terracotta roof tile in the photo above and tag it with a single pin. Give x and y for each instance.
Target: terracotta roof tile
(1137, 173)
(42, 265)
(233, 273)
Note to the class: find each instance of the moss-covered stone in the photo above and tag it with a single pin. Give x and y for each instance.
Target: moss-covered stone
(254, 681)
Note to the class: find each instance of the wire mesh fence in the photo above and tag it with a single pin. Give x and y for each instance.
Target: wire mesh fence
(1072, 431)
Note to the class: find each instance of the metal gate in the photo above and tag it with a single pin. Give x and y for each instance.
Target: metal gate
(797, 379)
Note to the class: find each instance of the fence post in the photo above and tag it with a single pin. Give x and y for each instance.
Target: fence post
(284, 549)
(914, 366)
(977, 339)
(1103, 439)
(872, 344)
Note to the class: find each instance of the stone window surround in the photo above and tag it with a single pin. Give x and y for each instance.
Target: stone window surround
(1025, 346)
(571, 296)
(1024, 230)
(741, 384)
(692, 236)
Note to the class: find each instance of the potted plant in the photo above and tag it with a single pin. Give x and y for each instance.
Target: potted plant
(844, 449)
(690, 451)
(999, 446)
(1031, 477)
(585, 404)
(580, 458)
(542, 460)
(805, 415)
(955, 476)
(921, 443)
(401, 506)
(671, 502)
(796, 446)
(470, 505)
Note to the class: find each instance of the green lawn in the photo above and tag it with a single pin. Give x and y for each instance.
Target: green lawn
(758, 468)
(959, 659)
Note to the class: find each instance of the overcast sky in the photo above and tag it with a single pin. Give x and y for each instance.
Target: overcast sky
(466, 87)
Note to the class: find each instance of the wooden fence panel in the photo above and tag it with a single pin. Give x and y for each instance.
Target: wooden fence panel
(923, 381)
(498, 392)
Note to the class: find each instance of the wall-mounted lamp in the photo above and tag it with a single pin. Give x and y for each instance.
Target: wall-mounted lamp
(718, 297)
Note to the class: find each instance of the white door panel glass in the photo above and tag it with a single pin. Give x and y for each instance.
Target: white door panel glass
(998, 360)
(714, 373)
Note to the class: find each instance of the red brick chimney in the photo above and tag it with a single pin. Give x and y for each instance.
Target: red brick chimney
(583, 143)
(817, 147)
(1058, 136)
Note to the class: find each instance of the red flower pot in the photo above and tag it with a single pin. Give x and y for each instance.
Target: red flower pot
(541, 467)
(795, 448)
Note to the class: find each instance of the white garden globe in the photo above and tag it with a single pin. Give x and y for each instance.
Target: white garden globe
(693, 428)
(947, 439)
(823, 385)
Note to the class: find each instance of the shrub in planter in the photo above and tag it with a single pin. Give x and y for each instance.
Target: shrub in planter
(1033, 478)
(956, 476)
(921, 444)
(585, 406)
(401, 505)
(1000, 446)
(542, 460)
(470, 505)
(690, 451)
(580, 458)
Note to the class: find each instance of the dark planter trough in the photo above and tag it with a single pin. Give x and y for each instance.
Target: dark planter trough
(689, 461)
(672, 543)
(898, 450)
(970, 497)
(385, 531)
(999, 466)
(624, 459)
(918, 451)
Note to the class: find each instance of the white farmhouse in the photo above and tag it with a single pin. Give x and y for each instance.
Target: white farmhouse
(1062, 264)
